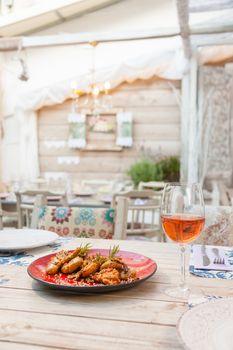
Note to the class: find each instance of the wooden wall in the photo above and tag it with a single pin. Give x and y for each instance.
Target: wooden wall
(156, 125)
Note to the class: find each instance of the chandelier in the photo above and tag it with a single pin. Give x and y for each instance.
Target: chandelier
(97, 96)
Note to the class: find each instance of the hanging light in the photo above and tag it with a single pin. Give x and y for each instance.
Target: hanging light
(94, 91)
(23, 76)
(24, 73)
(107, 86)
(73, 84)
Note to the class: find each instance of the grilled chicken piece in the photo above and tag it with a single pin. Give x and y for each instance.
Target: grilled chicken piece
(56, 262)
(112, 264)
(107, 276)
(91, 268)
(113, 261)
(72, 265)
(64, 257)
(128, 275)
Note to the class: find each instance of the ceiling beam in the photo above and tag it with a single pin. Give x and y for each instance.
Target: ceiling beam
(209, 5)
(212, 39)
(212, 29)
(10, 22)
(75, 15)
(183, 17)
(85, 38)
(10, 44)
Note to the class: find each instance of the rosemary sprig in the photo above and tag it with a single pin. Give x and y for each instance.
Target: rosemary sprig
(84, 249)
(99, 258)
(113, 251)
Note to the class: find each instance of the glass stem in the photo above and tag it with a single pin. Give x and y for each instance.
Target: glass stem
(183, 269)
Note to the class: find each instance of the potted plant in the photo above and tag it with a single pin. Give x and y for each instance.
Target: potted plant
(165, 169)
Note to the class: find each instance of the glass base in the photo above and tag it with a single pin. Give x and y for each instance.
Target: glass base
(178, 292)
(184, 293)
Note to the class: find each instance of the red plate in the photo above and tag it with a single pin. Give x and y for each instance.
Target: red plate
(144, 266)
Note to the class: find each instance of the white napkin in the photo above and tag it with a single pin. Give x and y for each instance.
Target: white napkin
(198, 254)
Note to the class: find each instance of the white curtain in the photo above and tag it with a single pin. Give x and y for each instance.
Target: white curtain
(28, 145)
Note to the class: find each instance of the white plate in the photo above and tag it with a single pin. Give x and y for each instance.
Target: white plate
(208, 326)
(13, 240)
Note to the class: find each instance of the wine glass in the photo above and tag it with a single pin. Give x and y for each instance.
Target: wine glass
(182, 218)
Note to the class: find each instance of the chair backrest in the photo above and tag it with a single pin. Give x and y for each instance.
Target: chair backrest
(82, 221)
(8, 217)
(156, 186)
(143, 213)
(1, 215)
(24, 208)
(218, 229)
(101, 186)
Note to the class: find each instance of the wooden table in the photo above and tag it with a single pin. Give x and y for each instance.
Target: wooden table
(143, 317)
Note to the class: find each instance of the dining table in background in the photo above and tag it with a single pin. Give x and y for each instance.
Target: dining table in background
(143, 317)
(94, 201)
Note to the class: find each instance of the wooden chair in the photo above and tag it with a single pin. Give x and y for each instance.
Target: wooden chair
(24, 209)
(1, 222)
(225, 194)
(143, 213)
(156, 186)
(101, 186)
(8, 218)
(82, 221)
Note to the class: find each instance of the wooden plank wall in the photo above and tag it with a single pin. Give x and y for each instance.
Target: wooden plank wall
(156, 126)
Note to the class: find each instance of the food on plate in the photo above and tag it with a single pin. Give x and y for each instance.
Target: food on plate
(80, 266)
(72, 265)
(64, 257)
(108, 276)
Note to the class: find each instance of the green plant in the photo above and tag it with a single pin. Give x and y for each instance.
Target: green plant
(165, 169)
(143, 170)
(169, 168)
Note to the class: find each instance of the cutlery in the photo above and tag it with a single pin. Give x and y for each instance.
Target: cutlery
(220, 261)
(216, 252)
(205, 258)
(6, 253)
(218, 258)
